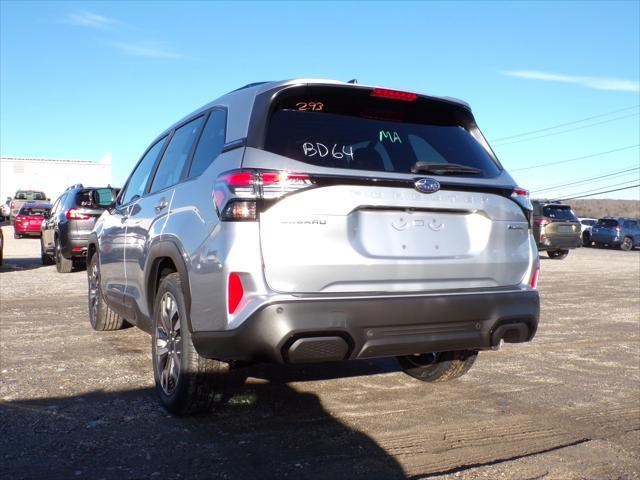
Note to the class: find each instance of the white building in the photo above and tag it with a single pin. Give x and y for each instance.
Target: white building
(50, 175)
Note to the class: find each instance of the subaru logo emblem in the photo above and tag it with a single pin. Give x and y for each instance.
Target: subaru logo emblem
(427, 185)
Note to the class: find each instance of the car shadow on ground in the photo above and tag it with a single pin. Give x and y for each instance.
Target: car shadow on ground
(264, 430)
(22, 263)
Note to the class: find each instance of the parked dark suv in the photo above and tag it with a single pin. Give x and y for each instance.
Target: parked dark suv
(617, 232)
(67, 227)
(316, 221)
(556, 228)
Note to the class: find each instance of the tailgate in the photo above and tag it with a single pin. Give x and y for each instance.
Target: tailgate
(353, 239)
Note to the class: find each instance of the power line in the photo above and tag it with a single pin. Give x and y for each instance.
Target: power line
(586, 180)
(600, 193)
(576, 158)
(563, 124)
(603, 186)
(567, 130)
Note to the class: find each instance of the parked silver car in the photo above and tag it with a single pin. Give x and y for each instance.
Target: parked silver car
(314, 221)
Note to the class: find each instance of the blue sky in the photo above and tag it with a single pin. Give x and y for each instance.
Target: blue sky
(84, 78)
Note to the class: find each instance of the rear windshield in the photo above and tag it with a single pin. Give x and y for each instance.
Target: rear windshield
(34, 211)
(558, 212)
(607, 223)
(83, 198)
(27, 195)
(350, 129)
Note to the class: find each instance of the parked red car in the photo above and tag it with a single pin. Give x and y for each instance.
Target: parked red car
(29, 219)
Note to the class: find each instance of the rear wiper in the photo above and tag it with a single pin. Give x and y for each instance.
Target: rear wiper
(443, 168)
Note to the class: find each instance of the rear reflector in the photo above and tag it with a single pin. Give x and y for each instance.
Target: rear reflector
(236, 292)
(394, 94)
(534, 279)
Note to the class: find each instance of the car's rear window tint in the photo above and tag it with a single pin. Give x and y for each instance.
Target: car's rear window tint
(607, 222)
(34, 211)
(558, 212)
(83, 198)
(350, 129)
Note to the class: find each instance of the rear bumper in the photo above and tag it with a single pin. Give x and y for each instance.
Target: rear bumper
(75, 246)
(35, 231)
(610, 239)
(328, 330)
(560, 243)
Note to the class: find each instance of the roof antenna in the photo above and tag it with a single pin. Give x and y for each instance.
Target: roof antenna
(353, 80)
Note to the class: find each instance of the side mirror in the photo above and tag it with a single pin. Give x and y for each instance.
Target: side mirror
(103, 197)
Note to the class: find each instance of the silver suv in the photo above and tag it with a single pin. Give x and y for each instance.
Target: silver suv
(315, 221)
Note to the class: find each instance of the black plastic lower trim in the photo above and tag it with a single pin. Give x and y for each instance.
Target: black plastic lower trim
(380, 327)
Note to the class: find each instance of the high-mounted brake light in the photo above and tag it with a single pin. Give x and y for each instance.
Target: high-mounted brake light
(394, 94)
(75, 214)
(237, 193)
(235, 292)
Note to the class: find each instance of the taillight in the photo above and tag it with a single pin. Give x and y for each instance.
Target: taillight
(521, 197)
(541, 222)
(19, 218)
(238, 194)
(394, 94)
(76, 214)
(235, 292)
(533, 283)
(12, 204)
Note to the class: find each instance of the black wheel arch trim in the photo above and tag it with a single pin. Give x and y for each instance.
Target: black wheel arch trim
(167, 248)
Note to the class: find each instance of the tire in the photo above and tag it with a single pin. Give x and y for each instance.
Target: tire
(79, 264)
(438, 367)
(558, 254)
(63, 265)
(46, 259)
(185, 382)
(627, 244)
(101, 317)
(586, 239)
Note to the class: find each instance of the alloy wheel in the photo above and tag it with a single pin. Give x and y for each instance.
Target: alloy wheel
(168, 344)
(94, 292)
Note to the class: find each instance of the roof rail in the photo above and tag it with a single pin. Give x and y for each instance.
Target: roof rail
(77, 185)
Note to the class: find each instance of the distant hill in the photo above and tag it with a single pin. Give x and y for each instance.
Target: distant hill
(598, 208)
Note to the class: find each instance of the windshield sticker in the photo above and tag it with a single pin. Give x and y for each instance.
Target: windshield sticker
(336, 151)
(393, 137)
(310, 106)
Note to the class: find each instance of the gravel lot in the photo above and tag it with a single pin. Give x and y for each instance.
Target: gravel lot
(75, 403)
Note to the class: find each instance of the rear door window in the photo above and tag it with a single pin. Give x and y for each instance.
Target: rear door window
(351, 129)
(211, 142)
(171, 166)
(558, 212)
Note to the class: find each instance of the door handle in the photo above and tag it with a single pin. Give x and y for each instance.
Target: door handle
(161, 205)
